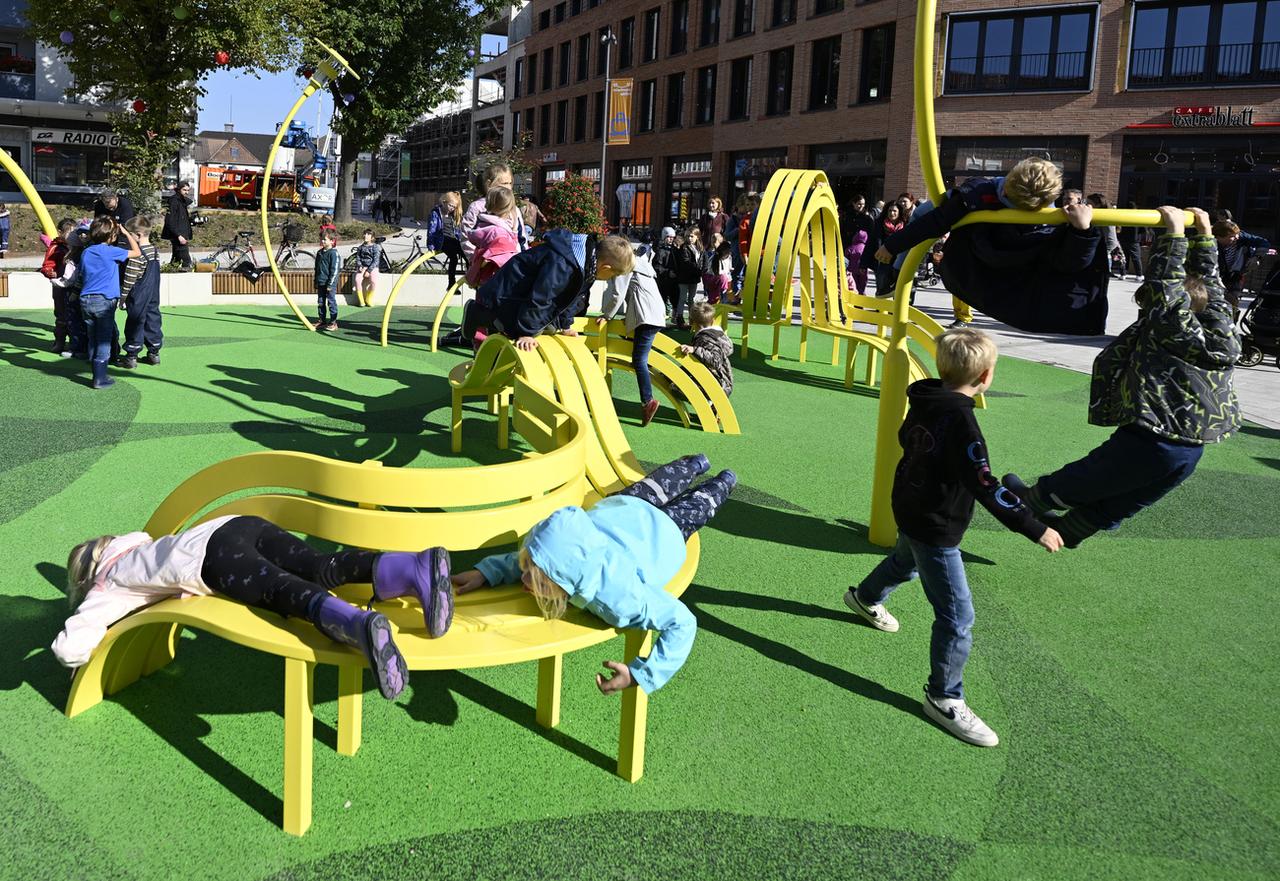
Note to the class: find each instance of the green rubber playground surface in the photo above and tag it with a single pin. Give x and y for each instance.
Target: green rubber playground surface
(1133, 682)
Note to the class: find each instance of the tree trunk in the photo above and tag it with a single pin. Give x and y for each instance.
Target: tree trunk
(346, 185)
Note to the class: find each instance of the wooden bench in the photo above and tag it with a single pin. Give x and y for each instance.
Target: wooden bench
(368, 506)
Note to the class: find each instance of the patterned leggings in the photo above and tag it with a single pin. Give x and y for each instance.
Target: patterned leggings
(260, 564)
(669, 489)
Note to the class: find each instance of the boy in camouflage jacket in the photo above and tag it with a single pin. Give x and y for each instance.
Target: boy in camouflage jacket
(1166, 381)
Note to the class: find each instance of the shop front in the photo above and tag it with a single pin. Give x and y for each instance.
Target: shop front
(549, 177)
(634, 195)
(591, 173)
(750, 170)
(689, 186)
(71, 160)
(853, 168)
(965, 157)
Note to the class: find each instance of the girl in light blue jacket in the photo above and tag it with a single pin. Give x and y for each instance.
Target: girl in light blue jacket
(615, 560)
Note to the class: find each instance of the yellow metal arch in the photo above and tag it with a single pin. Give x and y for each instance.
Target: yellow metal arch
(395, 291)
(33, 198)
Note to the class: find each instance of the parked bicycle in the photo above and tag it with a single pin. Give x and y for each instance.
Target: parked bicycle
(416, 250)
(235, 252)
(290, 255)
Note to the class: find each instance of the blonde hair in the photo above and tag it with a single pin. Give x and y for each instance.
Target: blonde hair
(500, 201)
(454, 200)
(1196, 292)
(963, 354)
(1033, 183)
(616, 252)
(1225, 229)
(82, 567)
(552, 599)
(702, 315)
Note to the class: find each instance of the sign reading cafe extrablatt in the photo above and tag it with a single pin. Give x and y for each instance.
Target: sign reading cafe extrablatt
(1211, 117)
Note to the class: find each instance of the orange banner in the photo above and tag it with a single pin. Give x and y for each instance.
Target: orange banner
(619, 131)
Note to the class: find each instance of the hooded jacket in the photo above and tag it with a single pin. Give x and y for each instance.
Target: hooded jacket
(538, 288)
(639, 291)
(944, 468)
(712, 347)
(495, 243)
(1170, 372)
(614, 561)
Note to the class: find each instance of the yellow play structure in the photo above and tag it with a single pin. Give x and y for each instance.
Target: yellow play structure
(368, 506)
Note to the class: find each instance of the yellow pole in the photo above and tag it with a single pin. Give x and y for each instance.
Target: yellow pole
(331, 68)
(395, 289)
(33, 198)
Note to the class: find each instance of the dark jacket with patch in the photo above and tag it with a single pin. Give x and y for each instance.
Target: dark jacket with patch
(944, 468)
(1170, 372)
(536, 289)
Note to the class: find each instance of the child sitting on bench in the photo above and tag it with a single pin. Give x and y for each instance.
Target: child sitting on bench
(614, 560)
(261, 565)
(1166, 381)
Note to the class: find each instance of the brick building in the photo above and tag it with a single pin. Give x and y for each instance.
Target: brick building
(1147, 101)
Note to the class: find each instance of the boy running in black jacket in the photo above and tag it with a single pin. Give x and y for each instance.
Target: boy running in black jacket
(944, 468)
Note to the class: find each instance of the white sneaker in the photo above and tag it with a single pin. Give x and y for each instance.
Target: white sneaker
(955, 717)
(877, 616)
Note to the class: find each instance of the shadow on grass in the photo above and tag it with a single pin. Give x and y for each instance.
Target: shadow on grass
(433, 703)
(760, 364)
(746, 520)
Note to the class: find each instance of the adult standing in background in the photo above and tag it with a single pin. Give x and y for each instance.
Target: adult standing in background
(177, 224)
(1131, 245)
(1236, 250)
(1109, 238)
(112, 204)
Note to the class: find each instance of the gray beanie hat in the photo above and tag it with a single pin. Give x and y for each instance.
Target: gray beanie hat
(668, 232)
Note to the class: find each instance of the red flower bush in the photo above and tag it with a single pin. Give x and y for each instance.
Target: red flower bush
(573, 204)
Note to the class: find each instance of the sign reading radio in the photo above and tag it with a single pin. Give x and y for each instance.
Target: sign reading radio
(1212, 117)
(79, 138)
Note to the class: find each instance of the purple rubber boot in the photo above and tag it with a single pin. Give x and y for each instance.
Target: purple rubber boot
(370, 632)
(424, 575)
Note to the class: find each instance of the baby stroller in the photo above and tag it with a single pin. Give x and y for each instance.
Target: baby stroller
(1260, 324)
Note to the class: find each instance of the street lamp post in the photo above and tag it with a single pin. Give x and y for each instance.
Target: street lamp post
(608, 39)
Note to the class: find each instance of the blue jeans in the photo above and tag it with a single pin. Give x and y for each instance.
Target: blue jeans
(327, 298)
(100, 324)
(642, 344)
(941, 573)
(1127, 472)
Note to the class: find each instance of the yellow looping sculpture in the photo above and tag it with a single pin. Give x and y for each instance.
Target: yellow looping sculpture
(328, 70)
(395, 291)
(33, 198)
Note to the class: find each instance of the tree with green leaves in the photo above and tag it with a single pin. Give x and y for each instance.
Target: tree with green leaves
(148, 58)
(410, 56)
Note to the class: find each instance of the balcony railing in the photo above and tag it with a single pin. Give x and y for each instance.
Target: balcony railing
(1047, 72)
(1226, 64)
(18, 85)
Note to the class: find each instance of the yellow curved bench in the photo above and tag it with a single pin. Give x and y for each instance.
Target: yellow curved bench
(365, 505)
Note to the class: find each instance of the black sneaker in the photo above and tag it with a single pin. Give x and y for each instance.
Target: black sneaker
(152, 358)
(128, 362)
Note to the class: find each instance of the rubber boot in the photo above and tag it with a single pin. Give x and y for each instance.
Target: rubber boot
(369, 633)
(101, 379)
(424, 575)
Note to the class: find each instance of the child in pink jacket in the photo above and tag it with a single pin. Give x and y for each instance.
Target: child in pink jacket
(495, 236)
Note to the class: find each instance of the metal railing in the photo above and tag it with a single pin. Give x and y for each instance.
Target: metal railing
(1049, 71)
(1228, 63)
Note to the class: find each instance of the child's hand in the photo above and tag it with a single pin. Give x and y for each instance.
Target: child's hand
(883, 255)
(1174, 219)
(1080, 214)
(1051, 541)
(1204, 226)
(569, 331)
(686, 350)
(526, 344)
(620, 679)
(601, 321)
(465, 582)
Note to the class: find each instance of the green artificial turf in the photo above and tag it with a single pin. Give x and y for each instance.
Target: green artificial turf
(1131, 681)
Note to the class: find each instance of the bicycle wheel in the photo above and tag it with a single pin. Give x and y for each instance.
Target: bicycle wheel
(304, 259)
(229, 257)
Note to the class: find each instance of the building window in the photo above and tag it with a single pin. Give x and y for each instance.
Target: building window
(626, 43)
(648, 106)
(531, 65)
(580, 118)
(779, 99)
(544, 19)
(740, 88)
(601, 126)
(675, 100)
(528, 122)
(679, 26)
(1032, 51)
(515, 127)
(566, 50)
(575, 7)
(710, 31)
(519, 76)
(560, 10)
(822, 7)
(544, 125)
(562, 121)
(1177, 43)
(784, 12)
(824, 75)
(584, 57)
(649, 51)
(743, 17)
(704, 111)
(546, 70)
(876, 80)
(603, 51)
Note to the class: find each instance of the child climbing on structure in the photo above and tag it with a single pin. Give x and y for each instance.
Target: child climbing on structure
(1166, 381)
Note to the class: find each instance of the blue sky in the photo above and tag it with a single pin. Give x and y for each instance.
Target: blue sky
(257, 104)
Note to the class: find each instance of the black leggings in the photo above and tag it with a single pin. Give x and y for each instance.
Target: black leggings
(668, 489)
(260, 564)
(453, 250)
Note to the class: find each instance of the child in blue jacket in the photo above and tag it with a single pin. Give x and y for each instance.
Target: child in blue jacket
(615, 560)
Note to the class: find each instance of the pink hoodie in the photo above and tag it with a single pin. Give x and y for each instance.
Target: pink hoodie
(495, 243)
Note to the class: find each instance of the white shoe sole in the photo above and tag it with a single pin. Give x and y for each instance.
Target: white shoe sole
(890, 626)
(945, 724)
